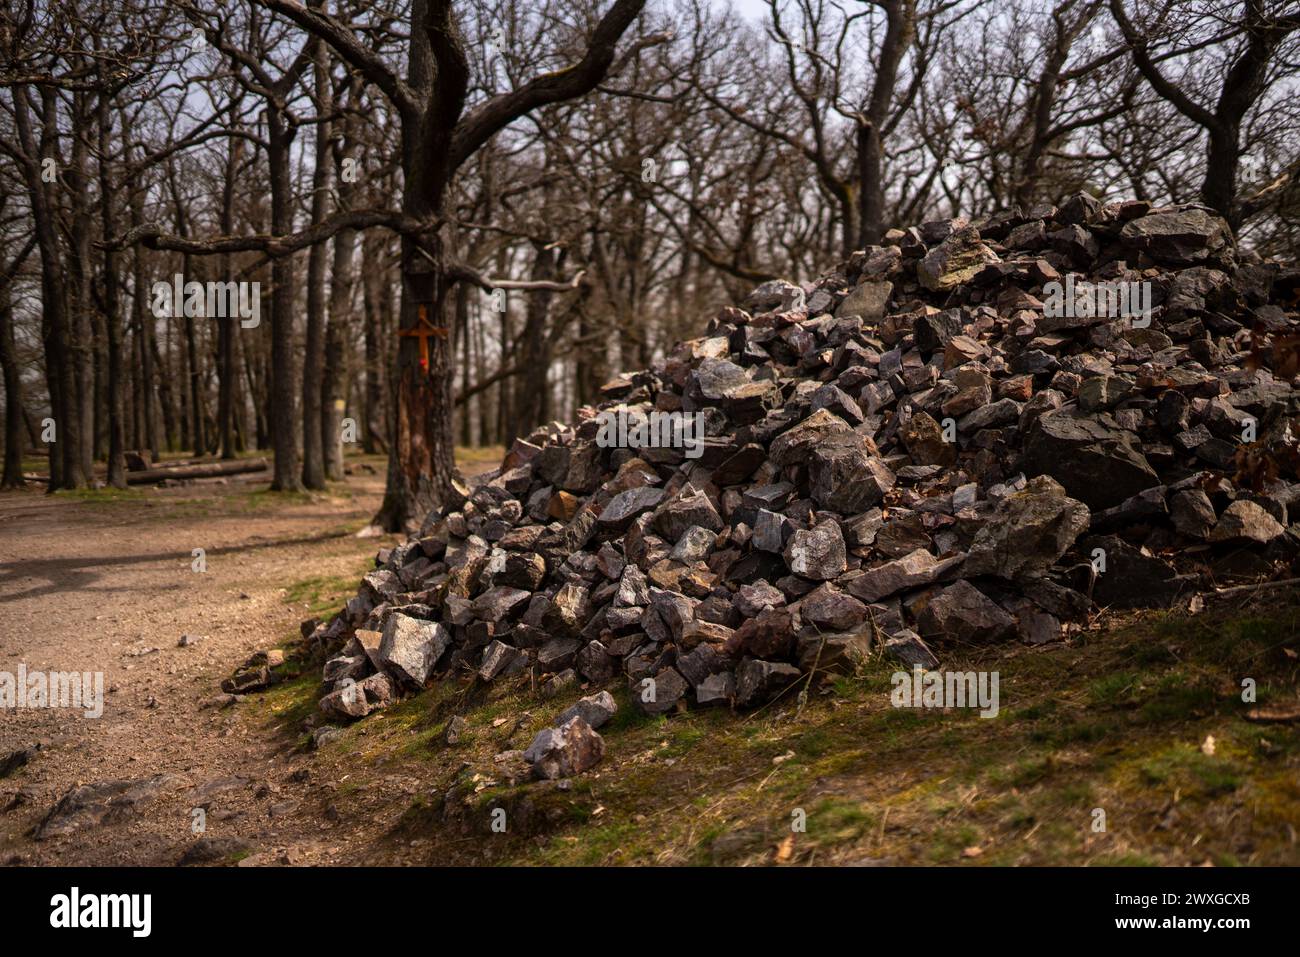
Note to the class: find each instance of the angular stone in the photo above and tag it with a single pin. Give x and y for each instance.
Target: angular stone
(1179, 235)
(1133, 578)
(1095, 462)
(659, 693)
(1028, 532)
(769, 634)
(562, 752)
(624, 507)
(596, 664)
(757, 681)
(840, 653)
(831, 609)
(1245, 521)
(690, 507)
(954, 261)
(1192, 513)
(347, 702)
(595, 709)
(739, 466)
(497, 659)
(771, 531)
(694, 545)
(880, 581)
(961, 612)
(558, 654)
(497, 604)
(751, 600)
(817, 553)
(796, 444)
(909, 649)
(716, 689)
(867, 301)
(411, 648)
(923, 438)
(847, 477)
(523, 570)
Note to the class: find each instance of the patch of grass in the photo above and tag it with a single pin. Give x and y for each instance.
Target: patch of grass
(1194, 773)
(1113, 722)
(1112, 690)
(323, 595)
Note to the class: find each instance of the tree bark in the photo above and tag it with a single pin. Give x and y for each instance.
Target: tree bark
(12, 477)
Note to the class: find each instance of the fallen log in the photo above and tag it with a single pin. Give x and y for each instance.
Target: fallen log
(210, 470)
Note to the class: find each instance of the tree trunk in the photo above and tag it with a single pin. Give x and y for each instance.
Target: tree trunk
(420, 464)
(372, 275)
(532, 390)
(313, 366)
(283, 411)
(12, 477)
(334, 387)
(65, 466)
(112, 310)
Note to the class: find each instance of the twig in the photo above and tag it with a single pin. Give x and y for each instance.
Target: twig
(1261, 586)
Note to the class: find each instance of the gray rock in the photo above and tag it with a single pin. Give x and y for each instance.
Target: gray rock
(562, 752)
(595, 709)
(1192, 513)
(913, 570)
(1028, 532)
(690, 507)
(659, 693)
(867, 301)
(1185, 235)
(497, 659)
(497, 604)
(411, 647)
(624, 507)
(961, 612)
(831, 609)
(716, 689)
(759, 681)
(1095, 462)
(909, 649)
(817, 553)
(750, 600)
(846, 476)
(1244, 521)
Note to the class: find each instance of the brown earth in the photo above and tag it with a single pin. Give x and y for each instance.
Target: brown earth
(103, 582)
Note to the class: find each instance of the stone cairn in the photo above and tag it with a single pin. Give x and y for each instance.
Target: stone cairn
(952, 439)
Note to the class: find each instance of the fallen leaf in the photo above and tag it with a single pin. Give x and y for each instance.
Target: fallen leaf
(785, 850)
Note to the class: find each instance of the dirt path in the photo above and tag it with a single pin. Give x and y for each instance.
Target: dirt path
(108, 586)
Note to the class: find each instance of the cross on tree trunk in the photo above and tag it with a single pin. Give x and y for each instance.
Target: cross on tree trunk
(424, 331)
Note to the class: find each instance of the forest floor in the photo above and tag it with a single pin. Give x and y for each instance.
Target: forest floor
(1128, 745)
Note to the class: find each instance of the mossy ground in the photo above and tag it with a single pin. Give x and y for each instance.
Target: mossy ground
(1140, 720)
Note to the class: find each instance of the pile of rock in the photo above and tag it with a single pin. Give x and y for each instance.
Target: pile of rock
(917, 449)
